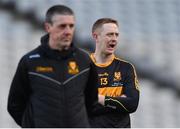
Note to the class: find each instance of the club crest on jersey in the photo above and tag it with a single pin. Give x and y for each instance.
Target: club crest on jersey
(73, 67)
(117, 76)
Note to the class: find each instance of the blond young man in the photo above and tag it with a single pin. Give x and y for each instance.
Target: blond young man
(118, 92)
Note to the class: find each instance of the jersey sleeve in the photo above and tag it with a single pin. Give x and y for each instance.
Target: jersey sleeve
(131, 90)
(18, 94)
(91, 91)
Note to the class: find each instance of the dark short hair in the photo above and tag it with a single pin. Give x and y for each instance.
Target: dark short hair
(57, 9)
(100, 22)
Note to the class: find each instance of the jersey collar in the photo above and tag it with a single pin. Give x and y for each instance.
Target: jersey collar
(101, 64)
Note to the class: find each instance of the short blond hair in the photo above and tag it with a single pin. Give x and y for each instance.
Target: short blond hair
(100, 22)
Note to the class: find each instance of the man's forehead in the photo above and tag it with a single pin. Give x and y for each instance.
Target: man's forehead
(63, 18)
(110, 27)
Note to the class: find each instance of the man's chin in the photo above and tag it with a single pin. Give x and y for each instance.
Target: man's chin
(110, 52)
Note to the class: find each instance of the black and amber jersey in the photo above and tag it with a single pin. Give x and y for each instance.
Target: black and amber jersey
(116, 78)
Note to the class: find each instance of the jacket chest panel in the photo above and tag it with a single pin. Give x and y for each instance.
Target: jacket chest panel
(57, 76)
(58, 70)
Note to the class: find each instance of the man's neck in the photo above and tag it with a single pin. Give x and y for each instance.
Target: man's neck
(103, 58)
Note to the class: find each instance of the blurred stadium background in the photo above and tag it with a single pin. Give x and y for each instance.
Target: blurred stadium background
(150, 39)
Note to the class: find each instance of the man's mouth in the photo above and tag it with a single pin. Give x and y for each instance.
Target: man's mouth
(67, 39)
(111, 45)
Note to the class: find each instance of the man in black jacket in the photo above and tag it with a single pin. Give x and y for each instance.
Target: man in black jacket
(53, 85)
(117, 81)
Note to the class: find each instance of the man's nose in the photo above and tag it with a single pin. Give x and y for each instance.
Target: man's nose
(114, 37)
(68, 30)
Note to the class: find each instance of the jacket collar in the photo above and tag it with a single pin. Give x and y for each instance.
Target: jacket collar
(55, 54)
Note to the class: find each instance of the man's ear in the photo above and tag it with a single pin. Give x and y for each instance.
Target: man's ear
(94, 35)
(47, 26)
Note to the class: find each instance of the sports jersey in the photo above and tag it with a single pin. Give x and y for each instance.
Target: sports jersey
(115, 78)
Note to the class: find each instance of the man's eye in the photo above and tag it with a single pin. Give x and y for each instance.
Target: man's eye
(62, 26)
(110, 34)
(71, 25)
(113, 34)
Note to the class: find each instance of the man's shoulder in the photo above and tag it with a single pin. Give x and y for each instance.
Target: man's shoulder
(35, 53)
(83, 53)
(124, 62)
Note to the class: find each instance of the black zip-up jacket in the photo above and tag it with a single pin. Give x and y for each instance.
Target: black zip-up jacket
(52, 88)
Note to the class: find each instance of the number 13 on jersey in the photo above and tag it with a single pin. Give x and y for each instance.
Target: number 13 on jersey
(104, 81)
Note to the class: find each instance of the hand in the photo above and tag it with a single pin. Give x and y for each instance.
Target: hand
(123, 95)
(101, 99)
